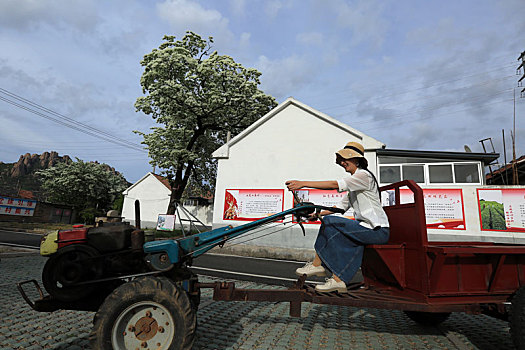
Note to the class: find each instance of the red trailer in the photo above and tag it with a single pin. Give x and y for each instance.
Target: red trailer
(427, 280)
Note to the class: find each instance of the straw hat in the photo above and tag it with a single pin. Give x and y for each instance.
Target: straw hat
(352, 150)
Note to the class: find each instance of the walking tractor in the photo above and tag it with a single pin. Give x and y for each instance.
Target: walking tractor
(146, 296)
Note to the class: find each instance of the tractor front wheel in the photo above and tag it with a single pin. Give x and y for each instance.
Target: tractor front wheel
(148, 312)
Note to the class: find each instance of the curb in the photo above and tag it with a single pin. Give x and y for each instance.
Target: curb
(17, 254)
(37, 232)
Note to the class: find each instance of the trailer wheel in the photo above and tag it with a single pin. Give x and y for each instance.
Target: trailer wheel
(427, 318)
(148, 312)
(517, 319)
(195, 300)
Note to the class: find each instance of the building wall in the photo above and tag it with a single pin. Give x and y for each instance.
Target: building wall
(153, 197)
(473, 228)
(202, 212)
(46, 213)
(293, 144)
(296, 144)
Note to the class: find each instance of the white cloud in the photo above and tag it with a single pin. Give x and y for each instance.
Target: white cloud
(185, 15)
(245, 40)
(29, 14)
(283, 77)
(311, 38)
(272, 8)
(16, 131)
(238, 7)
(365, 20)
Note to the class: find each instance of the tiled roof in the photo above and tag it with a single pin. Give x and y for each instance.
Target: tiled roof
(163, 180)
(519, 162)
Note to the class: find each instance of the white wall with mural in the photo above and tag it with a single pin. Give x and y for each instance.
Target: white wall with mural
(293, 141)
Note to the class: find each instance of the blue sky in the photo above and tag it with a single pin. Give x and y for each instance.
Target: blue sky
(427, 75)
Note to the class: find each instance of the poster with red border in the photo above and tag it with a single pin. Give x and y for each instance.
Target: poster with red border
(501, 209)
(17, 206)
(252, 204)
(328, 198)
(444, 207)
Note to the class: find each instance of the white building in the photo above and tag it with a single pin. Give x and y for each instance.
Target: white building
(152, 194)
(292, 141)
(295, 141)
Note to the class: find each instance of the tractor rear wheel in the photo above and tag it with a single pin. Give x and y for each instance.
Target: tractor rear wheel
(148, 312)
(427, 318)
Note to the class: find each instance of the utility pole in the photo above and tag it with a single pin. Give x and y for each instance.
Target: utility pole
(522, 65)
(515, 179)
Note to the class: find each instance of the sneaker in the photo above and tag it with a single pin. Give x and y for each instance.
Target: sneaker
(310, 270)
(331, 285)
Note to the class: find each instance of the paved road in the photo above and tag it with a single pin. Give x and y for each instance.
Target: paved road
(271, 271)
(248, 325)
(20, 238)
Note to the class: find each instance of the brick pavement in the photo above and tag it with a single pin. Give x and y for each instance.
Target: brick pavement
(248, 325)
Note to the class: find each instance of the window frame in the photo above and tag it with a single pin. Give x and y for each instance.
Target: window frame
(426, 172)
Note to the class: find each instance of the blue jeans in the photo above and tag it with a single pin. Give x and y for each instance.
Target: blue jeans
(341, 242)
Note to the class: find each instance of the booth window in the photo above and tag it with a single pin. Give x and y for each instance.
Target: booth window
(440, 173)
(466, 173)
(428, 171)
(414, 172)
(389, 174)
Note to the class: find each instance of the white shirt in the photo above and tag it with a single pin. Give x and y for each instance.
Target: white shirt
(364, 198)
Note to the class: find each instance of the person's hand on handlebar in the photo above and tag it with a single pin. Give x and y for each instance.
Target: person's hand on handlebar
(316, 216)
(294, 185)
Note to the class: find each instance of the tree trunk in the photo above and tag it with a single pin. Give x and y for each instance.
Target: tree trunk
(177, 189)
(175, 197)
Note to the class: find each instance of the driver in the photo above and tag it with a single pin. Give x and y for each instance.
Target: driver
(340, 242)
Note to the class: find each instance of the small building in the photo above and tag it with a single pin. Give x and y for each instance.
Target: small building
(504, 175)
(432, 168)
(152, 194)
(19, 209)
(295, 141)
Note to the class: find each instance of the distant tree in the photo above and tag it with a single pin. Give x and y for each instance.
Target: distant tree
(89, 187)
(196, 96)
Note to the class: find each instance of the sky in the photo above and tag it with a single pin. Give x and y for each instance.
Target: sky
(419, 75)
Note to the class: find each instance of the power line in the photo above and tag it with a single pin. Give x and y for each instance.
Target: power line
(455, 90)
(437, 115)
(397, 93)
(70, 120)
(406, 80)
(445, 104)
(64, 120)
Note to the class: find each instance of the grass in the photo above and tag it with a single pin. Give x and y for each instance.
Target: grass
(36, 226)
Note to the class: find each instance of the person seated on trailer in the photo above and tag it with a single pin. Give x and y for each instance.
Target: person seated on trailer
(340, 242)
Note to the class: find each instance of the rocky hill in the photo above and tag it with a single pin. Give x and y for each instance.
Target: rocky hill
(19, 178)
(21, 175)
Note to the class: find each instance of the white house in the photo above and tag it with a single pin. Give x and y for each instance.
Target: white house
(295, 141)
(152, 194)
(292, 141)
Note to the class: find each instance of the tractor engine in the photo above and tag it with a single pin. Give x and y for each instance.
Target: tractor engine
(80, 257)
